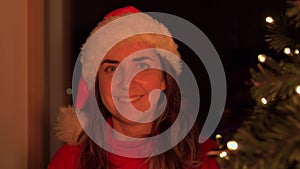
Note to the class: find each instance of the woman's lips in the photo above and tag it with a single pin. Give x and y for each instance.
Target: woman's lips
(129, 99)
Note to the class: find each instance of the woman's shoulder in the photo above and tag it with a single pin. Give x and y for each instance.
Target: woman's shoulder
(66, 157)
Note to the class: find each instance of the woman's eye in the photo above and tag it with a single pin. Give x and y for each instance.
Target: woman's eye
(110, 69)
(142, 66)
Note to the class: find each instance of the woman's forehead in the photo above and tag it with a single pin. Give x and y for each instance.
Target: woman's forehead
(133, 49)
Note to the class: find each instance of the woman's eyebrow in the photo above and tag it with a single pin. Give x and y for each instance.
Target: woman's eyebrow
(138, 59)
(110, 61)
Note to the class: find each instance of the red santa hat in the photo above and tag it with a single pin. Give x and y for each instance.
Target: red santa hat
(129, 24)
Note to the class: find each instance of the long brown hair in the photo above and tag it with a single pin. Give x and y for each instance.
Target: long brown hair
(184, 155)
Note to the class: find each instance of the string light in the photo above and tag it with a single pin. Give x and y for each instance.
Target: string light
(297, 89)
(269, 19)
(264, 100)
(262, 58)
(223, 154)
(287, 50)
(296, 52)
(218, 136)
(232, 145)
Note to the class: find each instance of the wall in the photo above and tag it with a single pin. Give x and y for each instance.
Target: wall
(58, 63)
(13, 89)
(22, 85)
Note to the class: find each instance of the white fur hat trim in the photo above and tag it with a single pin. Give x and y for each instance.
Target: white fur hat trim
(108, 35)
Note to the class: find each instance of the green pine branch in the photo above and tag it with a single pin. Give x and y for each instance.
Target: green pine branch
(269, 137)
(285, 31)
(275, 80)
(293, 12)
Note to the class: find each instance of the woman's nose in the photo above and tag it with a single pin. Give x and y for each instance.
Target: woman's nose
(123, 78)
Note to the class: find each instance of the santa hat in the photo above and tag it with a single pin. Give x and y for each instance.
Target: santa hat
(129, 24)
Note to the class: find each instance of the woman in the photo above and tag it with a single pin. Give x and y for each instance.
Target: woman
(138, 95)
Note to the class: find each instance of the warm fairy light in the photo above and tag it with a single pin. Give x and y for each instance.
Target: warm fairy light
(223, 154)
(269, 19)
(264, 100)
(297, 89)
(262, 57)
(218, 136)
(287, 50)
(232, 145)
(296, 52)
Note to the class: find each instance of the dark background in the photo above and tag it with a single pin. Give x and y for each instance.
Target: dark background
(235, 28)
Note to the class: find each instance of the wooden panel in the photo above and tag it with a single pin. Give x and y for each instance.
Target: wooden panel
(59, 61)
(37, 144)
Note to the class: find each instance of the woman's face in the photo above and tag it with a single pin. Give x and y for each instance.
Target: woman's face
(117, 83)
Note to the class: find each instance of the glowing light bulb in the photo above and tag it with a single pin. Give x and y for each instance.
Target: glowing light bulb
(232, 145)
(262, 58)
(297, 89)
(223, 154)
(296, 52)
(287, 50)
(264, 100)
(269, 19)
(218, 136)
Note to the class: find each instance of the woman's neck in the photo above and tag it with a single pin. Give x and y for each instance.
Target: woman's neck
(133, 130)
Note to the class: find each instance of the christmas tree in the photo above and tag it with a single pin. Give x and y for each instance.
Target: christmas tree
(269, 138)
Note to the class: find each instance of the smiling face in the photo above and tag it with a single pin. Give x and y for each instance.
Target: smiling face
(119, 82)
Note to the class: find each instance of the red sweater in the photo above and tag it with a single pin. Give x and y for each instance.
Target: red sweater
(66, 158)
